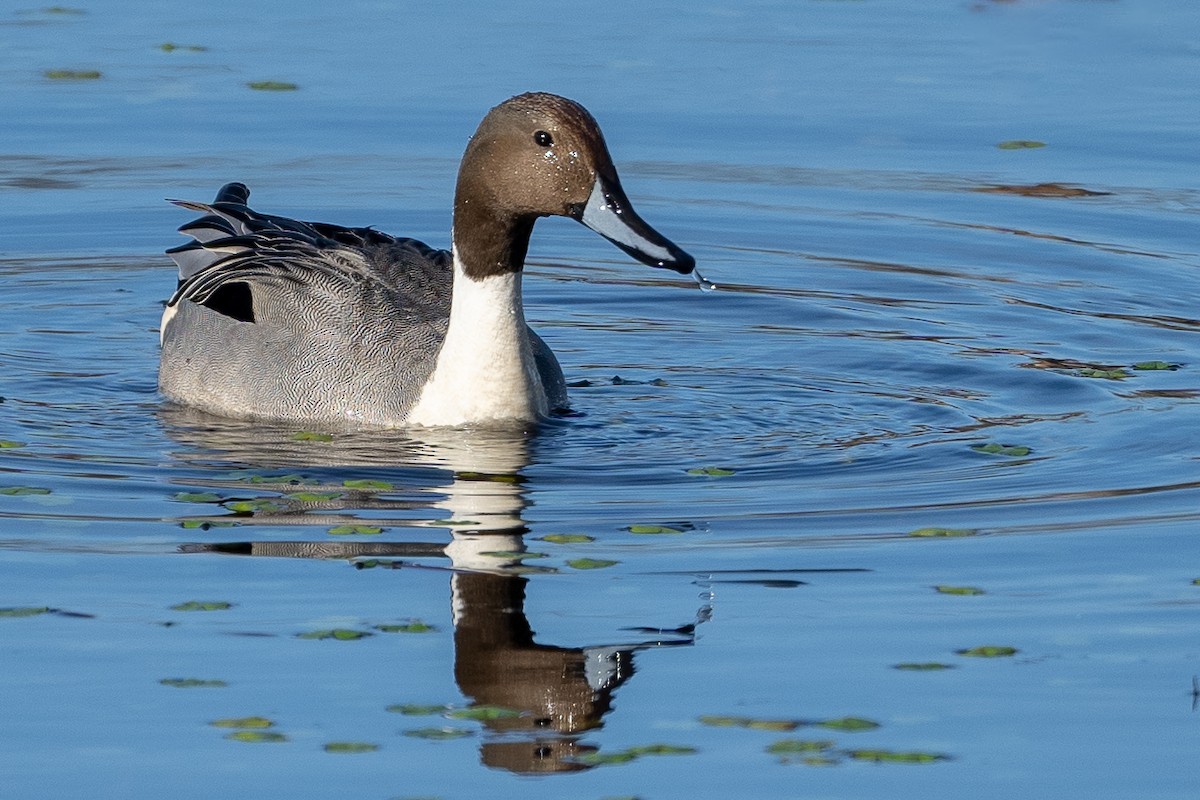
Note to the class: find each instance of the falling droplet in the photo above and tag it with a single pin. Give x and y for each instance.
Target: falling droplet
(705, 284)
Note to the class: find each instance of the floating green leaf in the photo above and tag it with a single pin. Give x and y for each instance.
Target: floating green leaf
(272, 86)
(256, 736)
(25, 611)
(960, 590)
(567, 538)
(591, 563)
(312, 436)
(202, 605)
(1103, 374)
(1020, 144)
(937, 532)
(372, 563)
(721, 721)
(8, 444)
(1196, 582)
(171, 47)
(633, 753)
(64, 10)
(1040, 190)
(260, 505)
(292, 479)
(599, 759)
(196, 497)
(850, 724)
(72, 74)
(205, 524)
(653, 529)
(712, 472)
(773, 724)
(513, 555)
(355, 530)
(995, 449)
(366, 483)
(787, 747)
(416, 626)
(242, 722)
(818, 760)
(493, 477)
(893, 757)
(988, 651)
(1141, 365)
(750, 722)
(351, 747)
(193, 683)
(664, 750)
(414, 710)
(313, 497)
(21, 491)
(483, 713)
(439, 734)
(337, 634)
(922, 666)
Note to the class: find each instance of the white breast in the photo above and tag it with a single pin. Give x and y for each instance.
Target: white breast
(485, 371)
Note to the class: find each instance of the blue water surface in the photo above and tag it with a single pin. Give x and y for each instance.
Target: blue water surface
(938, 357)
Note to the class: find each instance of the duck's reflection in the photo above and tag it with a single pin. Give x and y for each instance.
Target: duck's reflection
(564, 691)
(561, 692)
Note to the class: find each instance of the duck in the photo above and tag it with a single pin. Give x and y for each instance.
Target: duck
(278, 319)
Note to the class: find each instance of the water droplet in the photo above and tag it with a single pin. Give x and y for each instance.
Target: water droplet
(705, 284)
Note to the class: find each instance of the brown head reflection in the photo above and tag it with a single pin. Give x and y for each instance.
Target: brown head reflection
(561, 692)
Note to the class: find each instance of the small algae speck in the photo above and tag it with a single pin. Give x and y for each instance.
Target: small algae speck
(312, 436)
(25, 611)
(591, 563)
(634, 753)
(894, 757)
(355, 530)
(23, 491)
(416, 710)
(958, 590)
(367, 484)
(483, 713)
(934, 533)
(72, 74)
(193, 683)
(997, 449)
(438, 734)
(255, 736)
(853, 724)
(242, 722)
(336, 634)
(712, 472)
(988, 651)
(653, 530)
(415, 626)
(567, 538)
(351, 747)
(202, 605)
(922, 666)
(272, 86)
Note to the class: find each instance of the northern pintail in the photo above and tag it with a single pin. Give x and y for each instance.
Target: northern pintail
(280, 319)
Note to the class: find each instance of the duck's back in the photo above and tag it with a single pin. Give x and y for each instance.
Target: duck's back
(281, 319)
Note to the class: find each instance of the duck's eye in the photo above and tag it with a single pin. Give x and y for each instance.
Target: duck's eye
(543, 138)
